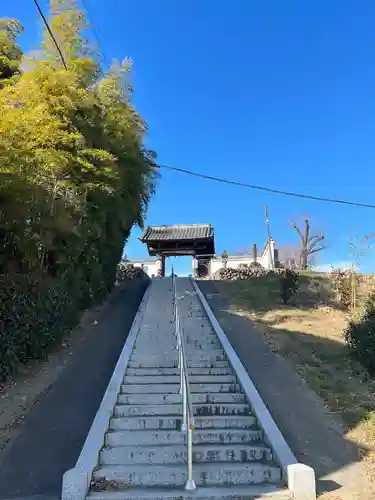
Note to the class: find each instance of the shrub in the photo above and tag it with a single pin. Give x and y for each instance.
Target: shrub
(75, 178)
(289, 282)
(342, 283)
(230, 274)
(129, 271)
(242, 267)
(34, 318)
(360, 333)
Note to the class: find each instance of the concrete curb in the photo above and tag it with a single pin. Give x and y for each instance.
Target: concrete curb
(299, 477)
(76, 481)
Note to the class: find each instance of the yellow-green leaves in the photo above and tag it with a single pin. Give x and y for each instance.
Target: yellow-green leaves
(10, 53)
(74, 174)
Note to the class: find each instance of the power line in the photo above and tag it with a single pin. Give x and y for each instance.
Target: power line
(51, 34)
(269, 190)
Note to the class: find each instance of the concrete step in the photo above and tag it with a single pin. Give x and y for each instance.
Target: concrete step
(130, 455)
(175, 379)
(175, 388)
(207, 363)
(138, 423)
(203, 345)
(199, 409)
(238, 492)
(168, 363)
(172, 437)
(191, 334)
(205, 474)
(155, 339)
(155, 359)
(225, 422)
(214, 388)
(156, 343)
(150, 389)
(196, 356)
(165, 422)
(176, 371)
(154, 399)
(213, 350)
(188, 335)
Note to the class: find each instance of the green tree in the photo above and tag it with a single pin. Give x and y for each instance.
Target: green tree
(75, 175)
(10, 53)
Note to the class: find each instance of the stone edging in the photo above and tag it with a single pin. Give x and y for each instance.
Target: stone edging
(76, 481)
(299, 477)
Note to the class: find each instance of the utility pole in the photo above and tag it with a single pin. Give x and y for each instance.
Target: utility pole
(269, 239)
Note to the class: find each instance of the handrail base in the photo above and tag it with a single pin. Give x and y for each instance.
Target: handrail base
(190, 485)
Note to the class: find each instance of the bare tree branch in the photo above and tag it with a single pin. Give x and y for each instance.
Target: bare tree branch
(317, 249)
(314, 243)
(294, 225)
(308, 243)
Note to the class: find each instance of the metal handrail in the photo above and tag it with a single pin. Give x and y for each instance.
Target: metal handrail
(187, 407)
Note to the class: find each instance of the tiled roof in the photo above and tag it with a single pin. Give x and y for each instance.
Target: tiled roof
(178, 232)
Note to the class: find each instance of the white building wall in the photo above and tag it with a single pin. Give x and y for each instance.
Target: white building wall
(267, 258)
(150, 267)
(234, 261)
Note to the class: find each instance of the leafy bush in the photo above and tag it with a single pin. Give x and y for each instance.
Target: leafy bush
(130, 272)
(34, 317)
(75, 178)
(342, 283)
(289, 279)
(230, 274)
(360, 333)
(242, 267)
(289, 282)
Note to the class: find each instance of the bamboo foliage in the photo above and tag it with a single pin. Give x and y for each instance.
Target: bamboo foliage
(75, 174)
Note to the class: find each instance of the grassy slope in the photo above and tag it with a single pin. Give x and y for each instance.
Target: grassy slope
(308, 334)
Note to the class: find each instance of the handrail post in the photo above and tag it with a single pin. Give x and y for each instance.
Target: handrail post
(187, 424)
(184, 404)
(181, 366)
(178, 339)
(190, 483)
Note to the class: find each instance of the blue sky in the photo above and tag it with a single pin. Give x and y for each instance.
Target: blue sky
(276, 93)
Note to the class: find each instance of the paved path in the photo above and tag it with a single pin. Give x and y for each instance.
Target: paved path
(313, 436)
(55, 430)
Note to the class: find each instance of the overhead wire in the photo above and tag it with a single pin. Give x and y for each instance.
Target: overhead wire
(50, 33)
(197, 174)
(267, 189)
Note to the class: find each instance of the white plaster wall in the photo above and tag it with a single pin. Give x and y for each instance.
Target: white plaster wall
(266, 260)
(151, 268)
(234, 261)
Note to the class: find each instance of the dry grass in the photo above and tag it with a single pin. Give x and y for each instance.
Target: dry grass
(308, 335)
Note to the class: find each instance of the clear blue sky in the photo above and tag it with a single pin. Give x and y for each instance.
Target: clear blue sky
(277, 93)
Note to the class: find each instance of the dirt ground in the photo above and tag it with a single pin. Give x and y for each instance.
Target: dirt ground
(19, 395)
(309, 335)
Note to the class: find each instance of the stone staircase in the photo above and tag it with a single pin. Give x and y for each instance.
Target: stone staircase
(145, 453)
